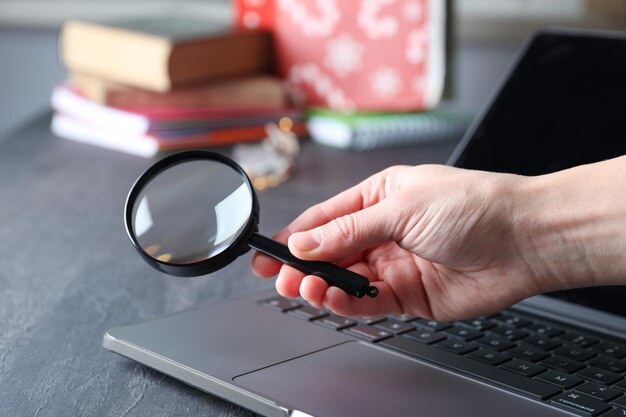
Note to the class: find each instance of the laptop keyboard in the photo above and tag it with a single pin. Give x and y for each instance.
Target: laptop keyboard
(578, 372)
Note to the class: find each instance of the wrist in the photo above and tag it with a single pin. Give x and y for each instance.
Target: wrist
(571, 227)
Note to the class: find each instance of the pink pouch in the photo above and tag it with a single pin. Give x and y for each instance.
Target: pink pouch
(367, 55)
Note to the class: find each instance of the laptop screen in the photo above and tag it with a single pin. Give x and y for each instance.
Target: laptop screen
(563, 105)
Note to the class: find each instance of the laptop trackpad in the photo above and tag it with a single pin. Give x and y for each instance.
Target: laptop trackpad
(358, 379)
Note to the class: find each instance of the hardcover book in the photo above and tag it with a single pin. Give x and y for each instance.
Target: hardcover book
(162, 54)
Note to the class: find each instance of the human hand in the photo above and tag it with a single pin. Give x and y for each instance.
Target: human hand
(447, 243)
(436, 241)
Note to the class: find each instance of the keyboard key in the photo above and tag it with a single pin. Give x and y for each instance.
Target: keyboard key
(575, 353)
(560, 379)
(369, 319)
(563, 364)
(621, 385)
(434, 325)
(615, 413)
(543, 342)
(463, 332)
(335, 322)
(612, 349)
(581, 403)
(395, 327)
(545, 330)
(281, 304)
(405, 318)
(369, 333)
(489, 356)
(495, 342)
(457, 346)
(528, 353)
(600, 375)
(620, 402)
(509, 320)
(523, 367)
(425, 336)
(308, 313)
(479, 324)
(479, 370)
(510, 333)
(599, 391)
(608, 363)
(579, 339)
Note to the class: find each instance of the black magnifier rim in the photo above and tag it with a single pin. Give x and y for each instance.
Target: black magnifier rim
(204, 267)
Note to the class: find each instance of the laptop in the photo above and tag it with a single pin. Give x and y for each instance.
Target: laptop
(563, 103)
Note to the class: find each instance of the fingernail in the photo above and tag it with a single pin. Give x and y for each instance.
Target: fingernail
(306, 241)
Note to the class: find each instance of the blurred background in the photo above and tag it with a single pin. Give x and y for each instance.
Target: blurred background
(487, 35)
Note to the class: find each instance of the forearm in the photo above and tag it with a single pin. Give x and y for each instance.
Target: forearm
(572, 225)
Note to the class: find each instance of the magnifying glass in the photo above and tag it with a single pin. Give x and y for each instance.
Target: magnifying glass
(195, 212)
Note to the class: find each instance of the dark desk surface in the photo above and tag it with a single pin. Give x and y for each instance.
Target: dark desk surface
(68, 273)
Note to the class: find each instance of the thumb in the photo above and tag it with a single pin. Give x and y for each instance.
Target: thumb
(347, 235)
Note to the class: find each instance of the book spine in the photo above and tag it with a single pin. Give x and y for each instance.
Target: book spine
(67, 128)
(244, 92)
(118, 55)
(221, 137)
(239, 53)
(65, 100)
(147, 146)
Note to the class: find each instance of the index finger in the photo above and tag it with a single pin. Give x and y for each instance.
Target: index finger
(317, 215)
(368, 192)
(365, 194)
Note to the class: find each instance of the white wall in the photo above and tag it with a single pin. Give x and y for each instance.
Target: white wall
(28, 69)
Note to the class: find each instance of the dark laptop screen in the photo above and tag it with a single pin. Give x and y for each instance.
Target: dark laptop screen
(563, 105)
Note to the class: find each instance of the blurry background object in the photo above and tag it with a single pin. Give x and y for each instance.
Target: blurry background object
(351, 58)
(255, 90)
(270, 162)
(484, 31)
(161, 54)
(363, 130)
(352, 55)
(160, 84)
(514, 20)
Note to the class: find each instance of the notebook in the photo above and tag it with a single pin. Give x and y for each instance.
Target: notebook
(560, 354)
(362, 131)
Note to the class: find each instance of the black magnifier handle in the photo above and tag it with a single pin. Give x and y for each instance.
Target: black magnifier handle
(350, 282)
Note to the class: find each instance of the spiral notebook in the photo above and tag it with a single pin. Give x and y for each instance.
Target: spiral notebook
(375, 130)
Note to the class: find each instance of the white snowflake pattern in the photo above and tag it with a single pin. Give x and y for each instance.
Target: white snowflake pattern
(413, 10)
(416, 46)
(386, 83)
(343, 55)
(251, 20)
(322, 87)
(311, 75)
(373, 23)
(312, 26)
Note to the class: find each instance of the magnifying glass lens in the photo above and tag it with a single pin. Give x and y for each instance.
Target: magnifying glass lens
(195, 212)
(191, 211)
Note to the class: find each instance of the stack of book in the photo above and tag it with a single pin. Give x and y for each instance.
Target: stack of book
(147, 86)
